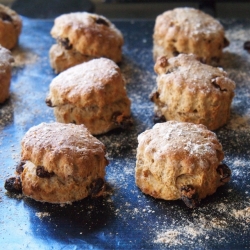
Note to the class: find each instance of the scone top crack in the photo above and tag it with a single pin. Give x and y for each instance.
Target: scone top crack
(60, 163)
(188, 30)
(93, 94)
(191, 91)
(178, 160)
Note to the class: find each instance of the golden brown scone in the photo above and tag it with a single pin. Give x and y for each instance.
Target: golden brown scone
(84, 35)
(177, 160)
(188, 30)
(6, 59)
(190, 91)
(61, 163)
(93, 94)
(10, 27)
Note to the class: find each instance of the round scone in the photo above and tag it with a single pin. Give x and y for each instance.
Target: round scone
(5, 73)
(60, 163)
(10, 27)
(82, 36)
(190, 91)
(92, 93)
(178, 160)
(188, 30)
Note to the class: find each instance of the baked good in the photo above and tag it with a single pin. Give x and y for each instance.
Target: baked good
(190, 91)
(188, 30)
(82, 36)
(6, 59)
(60, 163)
(92, 93)
(10, 27)
(179, 160)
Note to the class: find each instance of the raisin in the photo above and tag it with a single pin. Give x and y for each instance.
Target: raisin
(154, 96)
(42, 173)
(226, 42)
(65, 43)
(189, 196)
(246, 46)
(13, 185)
(5, 17)
(175, 53)
(96, 187)
(19, 167)
(158, 118)
(102, 21)
(48, 102)
(225, 173)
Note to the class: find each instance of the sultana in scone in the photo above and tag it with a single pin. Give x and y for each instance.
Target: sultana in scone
(178, 160)
(81, 37)
(10, 27)
(188, 30)
(5, 73)
(60, 163)
(190, 91)
(92, 93)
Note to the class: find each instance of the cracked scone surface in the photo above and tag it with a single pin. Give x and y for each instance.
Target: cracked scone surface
(175, 154)
(91, 93)
(72, 160)
(190, 91)
(6, 59)
(10, 27)
(84, 35)
(188, 30)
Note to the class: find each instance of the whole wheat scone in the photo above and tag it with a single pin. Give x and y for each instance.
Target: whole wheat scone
(92, 93)
(60, 163)
(6, 59)
(82, 36)
(188, 30)
(10, 27)
(178, 160)
(190, 91)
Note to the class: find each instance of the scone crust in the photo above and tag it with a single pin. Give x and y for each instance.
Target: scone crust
(70, 152)
(188, 30)
(89, 34)
(190, 91)
(173, 154)
(62, 59)
(6, 59)
(10, 27)
(90, 93)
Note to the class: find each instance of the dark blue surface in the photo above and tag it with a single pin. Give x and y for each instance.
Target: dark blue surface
(125, 218)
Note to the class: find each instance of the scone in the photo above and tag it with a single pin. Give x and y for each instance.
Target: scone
(178, 160)
(60, 163)
(82, 36)
(188, 30)
(190, 91)
(6, 59)
(92, 93)
(10, 27)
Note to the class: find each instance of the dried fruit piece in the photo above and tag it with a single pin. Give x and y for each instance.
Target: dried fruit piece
(246, 46)
(225, 173)
(42, 173)
(102, 21)
(19, 167)
(190, 196)
(65, 43)
(13, 184)
(5, 17)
